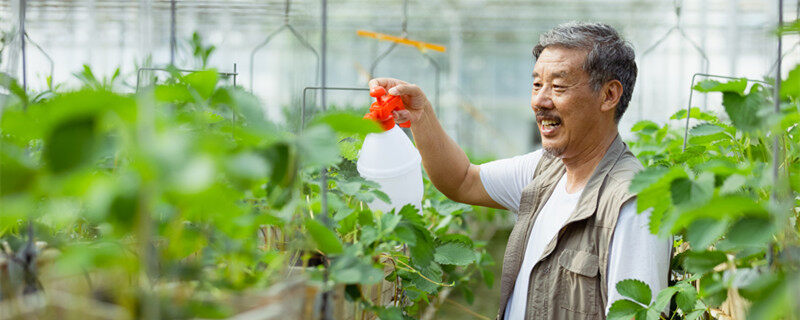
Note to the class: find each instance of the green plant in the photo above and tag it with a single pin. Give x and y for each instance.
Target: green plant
(140, 198)
(736, 229)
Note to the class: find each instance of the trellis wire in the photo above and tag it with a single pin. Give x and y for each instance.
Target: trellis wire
(233, 74)
(22, 5)
(404, 34)
(776, 149)
(677, 5)
(286, 26)
(691, 94)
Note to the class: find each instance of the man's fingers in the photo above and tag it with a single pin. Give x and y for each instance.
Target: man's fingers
(401, 116)
(405, 90)
(384, 82)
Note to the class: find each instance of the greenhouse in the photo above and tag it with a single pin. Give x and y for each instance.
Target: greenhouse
(399, 159)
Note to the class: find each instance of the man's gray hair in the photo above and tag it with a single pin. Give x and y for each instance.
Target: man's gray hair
(610, 57)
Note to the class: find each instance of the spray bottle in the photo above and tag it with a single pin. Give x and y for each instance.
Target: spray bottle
(389, 158)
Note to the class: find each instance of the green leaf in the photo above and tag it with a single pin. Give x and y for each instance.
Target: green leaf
(389, 222)
(70, 145)
(390, 313)
(751, 231)
(636, 290)
(687, 299)
(703, 261)
(8, 82)
(695, 315)
(705, 129)
(433, 272)
(647, 178)
(349, 123)
(646, 126)
(734, 86)
(686, 192)
(732, 184)
(350, 269)
(720, 208)
(744, 111)
(203, 82)
(455, 253)
(663, 298)
(17, 169)
(703, 232)
(791, 86)
(623, 310)
(317, 147)
(326, 240)
(696, 114)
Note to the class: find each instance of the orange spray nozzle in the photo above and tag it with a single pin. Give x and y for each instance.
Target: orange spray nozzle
(381, 110)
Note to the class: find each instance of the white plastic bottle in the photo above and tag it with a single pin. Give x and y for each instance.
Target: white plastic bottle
(390, 159)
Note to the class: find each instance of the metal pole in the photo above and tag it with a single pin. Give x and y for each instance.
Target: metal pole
(326, 311)
(172, 41)
(22, 5)
(691, 94)
(776, 149)
(323, 77)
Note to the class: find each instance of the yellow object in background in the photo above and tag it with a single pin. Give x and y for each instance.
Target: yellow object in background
(422, 46)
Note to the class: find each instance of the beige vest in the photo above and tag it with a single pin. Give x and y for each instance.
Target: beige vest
(569, 280)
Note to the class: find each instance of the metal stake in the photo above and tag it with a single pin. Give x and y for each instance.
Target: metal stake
(691, 94)
(172, 41)
(22, 5)
(776, 140)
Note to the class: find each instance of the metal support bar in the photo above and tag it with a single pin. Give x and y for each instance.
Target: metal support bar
(224, 74)
(172, 41)
(776, 148)
(677, 27)
(22, 8)
(691, 94)
(47, 56)
(326, 311)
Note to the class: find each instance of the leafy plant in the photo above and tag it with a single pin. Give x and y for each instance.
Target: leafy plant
(736, 229)
(169, 200)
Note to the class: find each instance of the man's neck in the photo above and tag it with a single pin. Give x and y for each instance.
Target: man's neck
(581, 166)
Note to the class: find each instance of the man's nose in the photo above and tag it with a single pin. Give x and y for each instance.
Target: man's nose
(541, 99)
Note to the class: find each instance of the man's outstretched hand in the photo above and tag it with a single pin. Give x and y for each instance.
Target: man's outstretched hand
(415, 101)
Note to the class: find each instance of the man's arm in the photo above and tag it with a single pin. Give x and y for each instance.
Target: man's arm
(446, 164)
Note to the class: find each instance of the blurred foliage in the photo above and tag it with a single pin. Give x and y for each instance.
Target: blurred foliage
(183, 195)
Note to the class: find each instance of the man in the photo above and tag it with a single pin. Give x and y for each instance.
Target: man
(577, 231)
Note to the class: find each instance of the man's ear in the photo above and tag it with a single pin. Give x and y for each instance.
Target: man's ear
(611, 93)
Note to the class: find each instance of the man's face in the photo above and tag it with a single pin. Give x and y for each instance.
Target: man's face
(566, 106)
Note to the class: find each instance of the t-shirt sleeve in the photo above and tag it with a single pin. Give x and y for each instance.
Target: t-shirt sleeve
(504, 179)
(636, 253)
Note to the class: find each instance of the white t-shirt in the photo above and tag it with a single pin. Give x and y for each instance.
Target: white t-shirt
(632, 241)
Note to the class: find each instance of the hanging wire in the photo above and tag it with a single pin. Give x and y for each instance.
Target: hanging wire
(691, 94)
(678, 6)
(47, 56)
(172, 36)
(22, 5)
(404, 35)
(793, 48)
(286, 26)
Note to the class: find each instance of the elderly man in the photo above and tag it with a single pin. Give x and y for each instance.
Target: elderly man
(577, 232)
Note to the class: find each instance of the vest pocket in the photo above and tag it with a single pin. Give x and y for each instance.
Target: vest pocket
(577, 283)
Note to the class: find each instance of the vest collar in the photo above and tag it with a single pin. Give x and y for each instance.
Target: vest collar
(587, 203)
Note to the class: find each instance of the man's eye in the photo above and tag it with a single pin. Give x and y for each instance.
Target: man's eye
(537, 85)
(555, 86)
